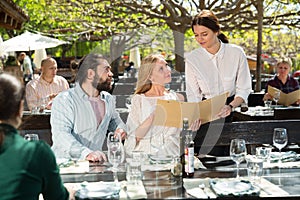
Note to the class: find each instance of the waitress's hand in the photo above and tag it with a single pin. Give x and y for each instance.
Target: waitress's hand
(195, 125)
(225, 111)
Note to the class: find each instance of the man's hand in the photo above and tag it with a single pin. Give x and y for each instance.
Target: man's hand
(96, 156)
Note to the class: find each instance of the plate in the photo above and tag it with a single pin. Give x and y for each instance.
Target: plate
(233, 187)
(98, 190)
(161, 159)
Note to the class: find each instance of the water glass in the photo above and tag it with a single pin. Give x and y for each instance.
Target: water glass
(254, 168)
(264, 153)
(268, 103)
(31, 137)
(133, 171)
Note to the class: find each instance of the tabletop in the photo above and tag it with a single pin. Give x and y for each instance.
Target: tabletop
(159, 183)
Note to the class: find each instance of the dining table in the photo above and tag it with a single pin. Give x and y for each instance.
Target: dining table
(278, 181)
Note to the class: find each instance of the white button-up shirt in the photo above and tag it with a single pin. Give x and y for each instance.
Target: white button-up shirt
(210, 75)
(73, 122)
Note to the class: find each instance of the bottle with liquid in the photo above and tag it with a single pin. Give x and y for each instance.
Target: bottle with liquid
(177, 167)
(189, 155)
(186, 150)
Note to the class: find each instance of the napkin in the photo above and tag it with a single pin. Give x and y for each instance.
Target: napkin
(192, 188)
(132, 191)
(82, 167)
(268, 189)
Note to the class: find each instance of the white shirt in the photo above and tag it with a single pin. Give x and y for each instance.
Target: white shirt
(142, 107)
(73, 122)
(210, 75)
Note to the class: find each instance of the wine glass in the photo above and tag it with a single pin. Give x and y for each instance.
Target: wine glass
(116, 153)
(280, 139)
(128, 103)
(276, 96)
(238, 152)
(75, 153)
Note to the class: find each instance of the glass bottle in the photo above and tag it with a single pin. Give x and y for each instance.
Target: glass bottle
(186, 150)
(177, 167)
(189, 155)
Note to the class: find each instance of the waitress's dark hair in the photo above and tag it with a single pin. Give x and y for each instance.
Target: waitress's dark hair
(11, 95)
(208, 19)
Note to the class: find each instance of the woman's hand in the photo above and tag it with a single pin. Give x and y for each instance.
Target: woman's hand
(225, 111)
(195, 125)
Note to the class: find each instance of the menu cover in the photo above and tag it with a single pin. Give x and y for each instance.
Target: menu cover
(285, 99)
(171, 113)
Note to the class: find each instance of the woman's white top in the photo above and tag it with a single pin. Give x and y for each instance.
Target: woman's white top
(141, 108)
(209, 75)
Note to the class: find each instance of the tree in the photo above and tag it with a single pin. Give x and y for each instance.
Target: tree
(98, 20)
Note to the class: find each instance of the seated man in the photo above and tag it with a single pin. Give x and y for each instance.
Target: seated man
(47, 86)
(81, 116)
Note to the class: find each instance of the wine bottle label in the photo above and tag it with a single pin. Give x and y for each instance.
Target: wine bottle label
(189, 160)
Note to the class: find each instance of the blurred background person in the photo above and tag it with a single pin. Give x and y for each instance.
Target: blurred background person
(28, 168)
(46, 86)
(153, 74)
(282, 80)
(26, 66)
(81, 116)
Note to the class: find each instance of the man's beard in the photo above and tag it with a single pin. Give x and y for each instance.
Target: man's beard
(101, 85)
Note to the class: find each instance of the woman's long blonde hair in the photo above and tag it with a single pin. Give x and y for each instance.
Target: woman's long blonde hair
(144, 83)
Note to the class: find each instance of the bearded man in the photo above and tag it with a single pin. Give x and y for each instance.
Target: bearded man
(82, 116)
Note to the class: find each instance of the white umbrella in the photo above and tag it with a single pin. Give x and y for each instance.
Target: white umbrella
(135, 57)
(29, 41)
(39, 55)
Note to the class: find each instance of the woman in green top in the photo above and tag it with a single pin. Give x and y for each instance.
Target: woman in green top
(27, 168)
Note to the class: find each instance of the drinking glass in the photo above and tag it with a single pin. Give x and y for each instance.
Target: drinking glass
(238, 152)
(31, 137)
(276, 96)
(75, 153)
(115, 150)
(128, 103)
(280, 139)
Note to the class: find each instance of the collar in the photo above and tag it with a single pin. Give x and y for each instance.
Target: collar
(79, 91)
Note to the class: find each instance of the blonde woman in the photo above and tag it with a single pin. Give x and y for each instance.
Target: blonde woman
(153, 74)
(282, 80)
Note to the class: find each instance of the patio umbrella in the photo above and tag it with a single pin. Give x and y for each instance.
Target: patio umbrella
(39, 55)
(29, 41)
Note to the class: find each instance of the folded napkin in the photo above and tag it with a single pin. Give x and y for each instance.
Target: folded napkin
(192, 187)
(69, 167)
(289, 159)
(132, 191)
(269, 189)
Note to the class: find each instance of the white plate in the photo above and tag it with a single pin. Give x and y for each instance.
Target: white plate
(233, 187)
(98, 190)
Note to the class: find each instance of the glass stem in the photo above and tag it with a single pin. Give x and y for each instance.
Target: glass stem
(237, 169)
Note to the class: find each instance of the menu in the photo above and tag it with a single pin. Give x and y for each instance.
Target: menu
(171, 113)
(285, 99)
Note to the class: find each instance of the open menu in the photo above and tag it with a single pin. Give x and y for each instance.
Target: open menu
(171, 113)
(285, 99)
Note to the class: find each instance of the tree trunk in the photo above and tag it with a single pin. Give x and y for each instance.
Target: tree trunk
(260, 13)
(179, 51)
